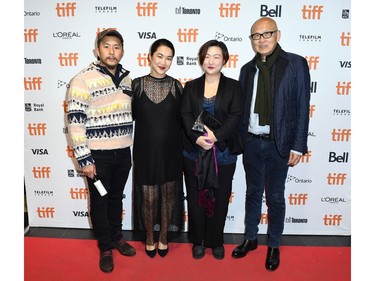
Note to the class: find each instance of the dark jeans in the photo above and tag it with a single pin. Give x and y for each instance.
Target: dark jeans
(265, 172)
(112, 168)
(203, 229)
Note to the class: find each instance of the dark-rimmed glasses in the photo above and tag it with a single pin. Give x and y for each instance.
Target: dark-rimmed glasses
(265, 35)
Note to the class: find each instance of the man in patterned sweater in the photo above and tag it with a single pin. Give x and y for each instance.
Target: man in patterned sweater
(100, 128)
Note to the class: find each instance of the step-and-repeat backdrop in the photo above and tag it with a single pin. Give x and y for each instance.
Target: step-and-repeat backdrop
(59, 39)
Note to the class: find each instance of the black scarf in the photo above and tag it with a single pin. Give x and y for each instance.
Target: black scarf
(263, 102)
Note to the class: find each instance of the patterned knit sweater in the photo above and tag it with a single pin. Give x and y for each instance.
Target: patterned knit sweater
(99, 111)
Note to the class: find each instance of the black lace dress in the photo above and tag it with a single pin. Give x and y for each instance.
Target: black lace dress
(157, 157)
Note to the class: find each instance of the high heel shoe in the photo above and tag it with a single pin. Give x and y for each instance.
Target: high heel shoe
(150, 253)
(163, 253)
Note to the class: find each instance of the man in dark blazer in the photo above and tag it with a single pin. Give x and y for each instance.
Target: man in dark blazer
(274, 128)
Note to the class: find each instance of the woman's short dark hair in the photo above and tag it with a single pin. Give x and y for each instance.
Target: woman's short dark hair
(161, 42)
(213, 43)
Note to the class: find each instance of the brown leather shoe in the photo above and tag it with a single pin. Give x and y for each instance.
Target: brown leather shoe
(273, 259)
(246, 246)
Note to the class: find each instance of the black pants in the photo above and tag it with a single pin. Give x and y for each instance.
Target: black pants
(112, 168)
(203, 229)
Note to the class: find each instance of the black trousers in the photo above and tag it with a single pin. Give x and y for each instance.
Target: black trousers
(202, 229)
(106, 212)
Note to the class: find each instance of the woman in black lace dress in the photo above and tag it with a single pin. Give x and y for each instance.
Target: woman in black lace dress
(157, 152)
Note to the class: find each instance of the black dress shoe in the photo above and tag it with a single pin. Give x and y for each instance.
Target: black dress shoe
(198, 251)
(273, 258)
(218, 252)
(106, 261)
(246, 246)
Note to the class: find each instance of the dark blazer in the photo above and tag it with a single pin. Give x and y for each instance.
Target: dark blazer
(291, 101)
(228, 110)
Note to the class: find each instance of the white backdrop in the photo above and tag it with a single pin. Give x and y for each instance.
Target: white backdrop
(59, 41)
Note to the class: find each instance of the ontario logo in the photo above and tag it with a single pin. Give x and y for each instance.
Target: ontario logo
(222, 37)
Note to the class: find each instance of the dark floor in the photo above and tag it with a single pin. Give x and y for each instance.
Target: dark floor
(229, 238)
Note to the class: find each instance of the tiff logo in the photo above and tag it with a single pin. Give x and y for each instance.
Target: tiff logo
(312, 12)
(229, 10)
(32, 83)
(68, 59)
(231, 197)
(70, 152)
(336, 179)
(65, 9)
(41, 172)
(45, 213)
(312, 62)
(147, 10)
(306, 157)
(30, 35)
(297, 199)
(344, 88)
(142, 60)
(264, 218)
(345, 39)
(65, 106)
(187, 35)
(312, 110)
(232, 61)
(332, 220)
(37, 129)
(78, 193)
(341, 135)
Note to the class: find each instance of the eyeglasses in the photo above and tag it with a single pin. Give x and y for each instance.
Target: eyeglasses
(266, 35)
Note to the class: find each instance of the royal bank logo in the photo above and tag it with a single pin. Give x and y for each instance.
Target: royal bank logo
(75, 173)
(345, 14)
(181, 60)
(29, 107)
(222, 37)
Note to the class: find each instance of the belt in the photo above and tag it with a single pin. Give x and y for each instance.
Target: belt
(265, 137)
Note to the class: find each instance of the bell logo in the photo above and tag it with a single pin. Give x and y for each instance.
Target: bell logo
(78, 193)
(341, 134)
(65, 9)
(312, 12)
(297, 199)
(336, 179)
(332, 220)
(229, 10)
(343, 88)
(312, 62)
(30, 35)
(187, 35)
(345, 39)
(32, 83)
(45, 213)
(68, 59)
(146, 10)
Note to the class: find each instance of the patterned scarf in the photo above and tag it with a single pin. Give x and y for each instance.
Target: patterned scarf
(263, 102)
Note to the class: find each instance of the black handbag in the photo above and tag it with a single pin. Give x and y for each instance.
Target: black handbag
(206, 118)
